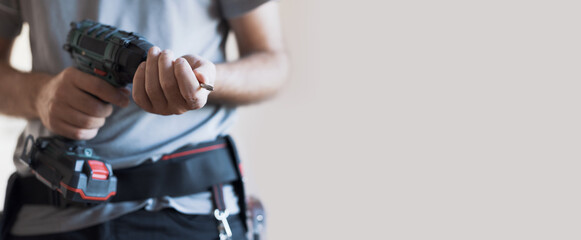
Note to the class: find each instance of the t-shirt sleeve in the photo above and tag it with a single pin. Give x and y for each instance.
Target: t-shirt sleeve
(10, 19)
(236, 8)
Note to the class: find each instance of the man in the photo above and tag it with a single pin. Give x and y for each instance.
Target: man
(164, 110)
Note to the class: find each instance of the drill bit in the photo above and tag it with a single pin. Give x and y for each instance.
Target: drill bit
(207, 87)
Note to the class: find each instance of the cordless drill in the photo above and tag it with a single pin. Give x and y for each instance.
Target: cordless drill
(70, 167)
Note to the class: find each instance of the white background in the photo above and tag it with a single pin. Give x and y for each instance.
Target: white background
(418, 120)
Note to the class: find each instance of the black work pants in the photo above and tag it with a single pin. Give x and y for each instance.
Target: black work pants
(165, 224)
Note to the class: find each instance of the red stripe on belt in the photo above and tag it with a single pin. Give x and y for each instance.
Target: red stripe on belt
(194, 151)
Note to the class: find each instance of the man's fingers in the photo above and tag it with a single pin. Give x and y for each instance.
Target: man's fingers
(169, 83)
(85, 103)
(78, 119)
(139, 94)
(69, 131)
(206, 73)
(152, 84)
(99, 88)
(187, 82)
(204, 70)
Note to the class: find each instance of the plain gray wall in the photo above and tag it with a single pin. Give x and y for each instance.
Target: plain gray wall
(421, 120)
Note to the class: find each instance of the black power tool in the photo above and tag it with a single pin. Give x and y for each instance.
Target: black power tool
(70, 167)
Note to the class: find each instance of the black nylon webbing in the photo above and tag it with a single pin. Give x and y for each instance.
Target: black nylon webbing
(183, 172)
(218, 197)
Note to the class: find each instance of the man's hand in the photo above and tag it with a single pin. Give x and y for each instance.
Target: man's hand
(67, 104)
(165, 86)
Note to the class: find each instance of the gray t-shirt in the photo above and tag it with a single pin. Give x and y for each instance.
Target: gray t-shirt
(130, 135)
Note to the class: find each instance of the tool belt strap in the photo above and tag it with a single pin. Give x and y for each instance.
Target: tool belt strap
(189, 170)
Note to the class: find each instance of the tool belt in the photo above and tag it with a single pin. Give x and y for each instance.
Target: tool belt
(189, 170)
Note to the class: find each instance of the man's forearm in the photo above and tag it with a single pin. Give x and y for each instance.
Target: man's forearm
(18, 90)
(252, 78)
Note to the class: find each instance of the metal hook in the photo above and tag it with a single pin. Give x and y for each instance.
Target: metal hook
(223, 226)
